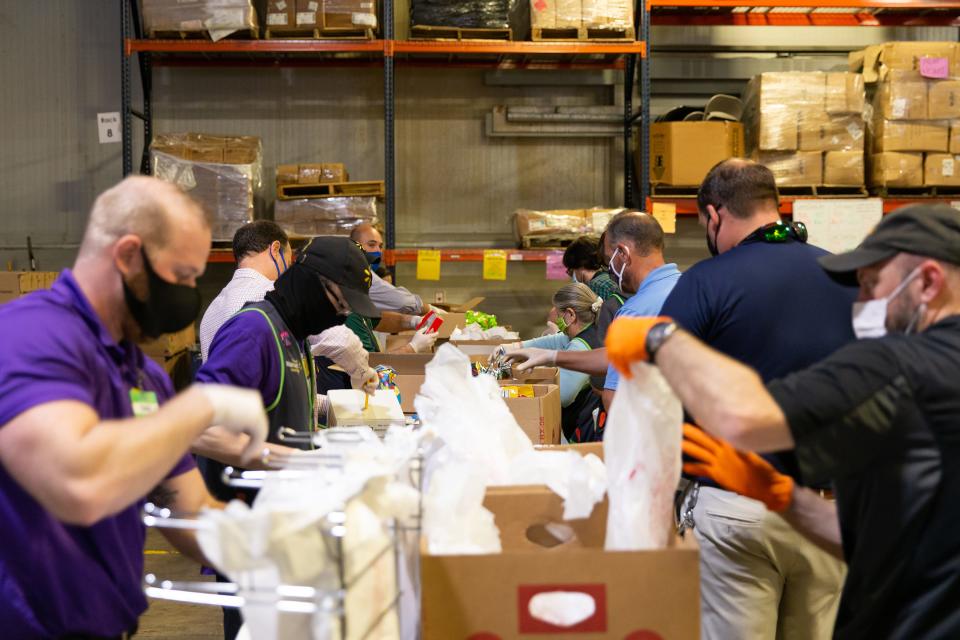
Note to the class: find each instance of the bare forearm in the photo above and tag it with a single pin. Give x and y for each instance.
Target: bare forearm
(724, 397)
(393, 322)
(226, 447)
(593, 362)
(816, 518)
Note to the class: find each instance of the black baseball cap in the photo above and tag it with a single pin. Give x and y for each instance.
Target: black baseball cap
(930, 230)
(341, 260)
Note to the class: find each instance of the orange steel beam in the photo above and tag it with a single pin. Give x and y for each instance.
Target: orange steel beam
(527, 48)
(255, 46)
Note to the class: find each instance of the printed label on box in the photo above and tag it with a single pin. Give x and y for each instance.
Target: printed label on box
(313, 5)
(855, 130)
(947, 167)
(277, 19)
(899, 107)
(306, 17)
(281, 6)
(934, 67)
(364, 19)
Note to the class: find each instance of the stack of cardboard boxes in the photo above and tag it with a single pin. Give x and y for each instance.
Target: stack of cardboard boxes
(218, 18)
(16, 284)
(807, 126)
(320, 14)
(222, 173)
(915, 129)
(172, 352)
(320, 216)
(585, 14)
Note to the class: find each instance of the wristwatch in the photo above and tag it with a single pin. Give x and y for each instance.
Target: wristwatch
(657, 335)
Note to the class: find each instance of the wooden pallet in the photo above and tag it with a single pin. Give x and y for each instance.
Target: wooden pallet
(664, 190)
(915, 192)
(824, 191)
(319, 33)
(583, 34)
(426, 32)
(201, 34)
(551, 241)
(371, 188)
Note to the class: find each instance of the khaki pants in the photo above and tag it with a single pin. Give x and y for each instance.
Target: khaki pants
(759, 577)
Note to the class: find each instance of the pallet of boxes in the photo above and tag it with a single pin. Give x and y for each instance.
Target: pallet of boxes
(173, 352)
(328, 19)
(16, 284)
(571, 20)
(222, 173)
(559, 227)
(186, 19)
(319, 199)
(808, 128)
(468, 20)
(914, 133)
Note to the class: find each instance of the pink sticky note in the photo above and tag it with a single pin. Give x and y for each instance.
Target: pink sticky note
(555, 268)
(934, 67)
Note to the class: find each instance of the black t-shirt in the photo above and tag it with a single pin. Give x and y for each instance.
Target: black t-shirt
(769, 305)
(881, 420)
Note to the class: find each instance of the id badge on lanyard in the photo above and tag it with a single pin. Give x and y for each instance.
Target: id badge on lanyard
(143, 402)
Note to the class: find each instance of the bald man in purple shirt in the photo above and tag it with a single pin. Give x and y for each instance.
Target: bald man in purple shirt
(89, 426)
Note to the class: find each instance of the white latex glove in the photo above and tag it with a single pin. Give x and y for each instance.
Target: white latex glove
(366, 380)
(501, 350)
(422, 341)
(411, 322)
(342, 345)
(531, 357)
(238, 411)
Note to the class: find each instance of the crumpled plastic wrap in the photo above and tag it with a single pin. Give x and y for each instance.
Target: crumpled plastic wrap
(325, 216)
(474, 332)
(480, 444)
(562, 221)
(219, 18)
(222, 173)
(467, 14)
(641, 448)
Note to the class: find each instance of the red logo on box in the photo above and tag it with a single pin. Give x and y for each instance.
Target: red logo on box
(528, 624)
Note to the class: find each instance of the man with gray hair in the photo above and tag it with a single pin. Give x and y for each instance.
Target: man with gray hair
(89, 426)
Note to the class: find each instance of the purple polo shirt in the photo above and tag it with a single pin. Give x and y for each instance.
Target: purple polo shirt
(56, 578)
(244, 354)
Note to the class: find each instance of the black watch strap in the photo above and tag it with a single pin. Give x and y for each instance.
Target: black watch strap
(658, 334)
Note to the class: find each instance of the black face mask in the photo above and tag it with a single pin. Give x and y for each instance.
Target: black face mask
(712, 243)
(168, 308)
(301, 300)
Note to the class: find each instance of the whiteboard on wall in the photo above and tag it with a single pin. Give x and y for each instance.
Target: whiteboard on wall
(838, 225)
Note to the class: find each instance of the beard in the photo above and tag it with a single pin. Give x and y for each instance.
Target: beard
(902, 313)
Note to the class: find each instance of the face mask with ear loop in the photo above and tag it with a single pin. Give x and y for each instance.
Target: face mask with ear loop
(623, 268)
(870, 316)
(712, 244)
(277, 266)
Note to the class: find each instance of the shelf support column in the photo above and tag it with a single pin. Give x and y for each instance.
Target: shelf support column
(389, 126)
(127, 129)
(644, 170)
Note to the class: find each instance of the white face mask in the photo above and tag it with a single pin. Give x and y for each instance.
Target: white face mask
(870, 317)
(573, 277)
(623, 268)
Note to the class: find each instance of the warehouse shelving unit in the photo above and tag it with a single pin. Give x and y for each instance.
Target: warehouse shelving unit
(799, 13)
(386, 52)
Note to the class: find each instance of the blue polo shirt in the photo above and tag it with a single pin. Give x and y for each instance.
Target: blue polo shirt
(58, 579)
(768, 305)
(244, 353)
(647, 301)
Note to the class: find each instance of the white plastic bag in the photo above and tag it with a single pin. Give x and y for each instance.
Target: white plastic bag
(641, 448)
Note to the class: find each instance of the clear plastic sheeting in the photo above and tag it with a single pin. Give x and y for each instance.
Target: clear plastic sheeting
(325, 216)
(469, 14)
(221, 173)
(589, 14)
(350, 14)
(563, 221)
(641, 448)
(219, 18)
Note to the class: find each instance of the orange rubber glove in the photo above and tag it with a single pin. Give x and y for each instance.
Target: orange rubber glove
(627, 341)
(745, 473)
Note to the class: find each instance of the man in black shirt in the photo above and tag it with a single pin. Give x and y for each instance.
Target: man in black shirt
(880, 419)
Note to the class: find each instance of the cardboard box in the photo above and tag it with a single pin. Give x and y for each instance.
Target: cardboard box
(16, 284)
(543, 14)
(903, 96)
(941, 170)
(479, 347)
(916, 135)
(539, 416)
(774, 130)
(801, 168)
(281, 13)
(461, 307)
(943, 99)
(822, 132)
(877, 61)
(556, 221)
(308, 12)
(638, 594)
(288, 174)
(170, 344)
(352, 408)
(844, 93)
(788, 90)
(349, 14)
(892, 169)
(843, 168)
(681, 153)
(569, 14)
(955, 137)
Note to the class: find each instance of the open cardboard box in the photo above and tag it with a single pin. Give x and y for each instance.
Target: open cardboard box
(539, 416)
(462, 307)
(645, 595)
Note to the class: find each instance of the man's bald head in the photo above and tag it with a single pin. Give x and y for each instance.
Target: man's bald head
(638, 229)
(744, 187)
(368, 237)
(143, 206)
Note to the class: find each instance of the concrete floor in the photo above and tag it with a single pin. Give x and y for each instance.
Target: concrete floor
(172, 619)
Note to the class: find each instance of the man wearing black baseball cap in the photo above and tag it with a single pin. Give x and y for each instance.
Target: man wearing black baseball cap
(879, 419)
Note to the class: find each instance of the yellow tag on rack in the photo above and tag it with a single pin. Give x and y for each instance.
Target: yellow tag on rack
(494, 264)
(666, 214)
(428, 264)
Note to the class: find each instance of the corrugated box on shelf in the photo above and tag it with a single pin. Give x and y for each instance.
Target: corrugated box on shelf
(895, 169)
(16, 284)
(772, 103)
(910, 135)
(943, 99)
(681, 153)
(281, 13)
(637, 594)
(308, 13)
(349, 14)
(607, 14)
(822, 132)
(844, 93)
(797, 169)
(222, 173)
(170, 344)
(539, 415)
(941, 170)
(902, 96)
(843, 168)
(218, 18)
(317, 173)
(876, 61)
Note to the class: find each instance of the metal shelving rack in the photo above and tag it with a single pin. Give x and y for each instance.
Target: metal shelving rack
(628, 56)
(798, 13)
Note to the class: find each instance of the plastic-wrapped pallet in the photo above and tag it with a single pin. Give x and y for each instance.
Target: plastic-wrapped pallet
(222, 173)
(895, 169)
(324, 216)
(607, 14)
(560, 221)
(349, 14)
(219, 18)
(468, 14)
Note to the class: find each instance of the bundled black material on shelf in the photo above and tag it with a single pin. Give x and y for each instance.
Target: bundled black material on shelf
(469, 14)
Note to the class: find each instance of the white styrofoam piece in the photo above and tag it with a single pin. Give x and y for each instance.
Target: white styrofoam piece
(345, 407)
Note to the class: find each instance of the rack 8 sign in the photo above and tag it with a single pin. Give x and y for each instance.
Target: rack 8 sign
(108, 126)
